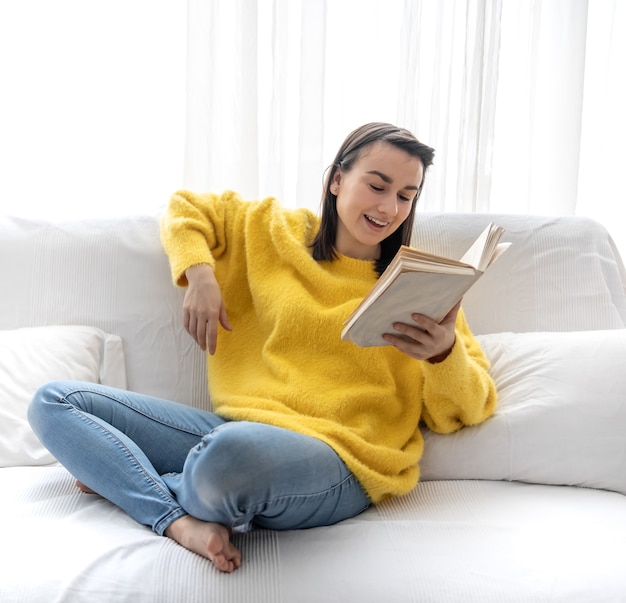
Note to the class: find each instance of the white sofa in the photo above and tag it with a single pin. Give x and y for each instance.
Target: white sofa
(528, 507)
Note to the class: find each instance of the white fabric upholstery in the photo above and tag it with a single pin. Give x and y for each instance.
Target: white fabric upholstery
(30, 357)
(446, 542)
(549, 313)
(111, 274)
(560, 274)
(560, 418)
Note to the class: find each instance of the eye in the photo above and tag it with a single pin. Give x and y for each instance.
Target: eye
(405, 199)
(378, 189)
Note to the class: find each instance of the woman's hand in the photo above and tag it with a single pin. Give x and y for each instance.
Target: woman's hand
(426, 339)
(203, 306)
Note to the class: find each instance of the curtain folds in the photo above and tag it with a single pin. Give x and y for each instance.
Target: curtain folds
(222, 143)
(521, 100)
(92, 109)
(448, 95)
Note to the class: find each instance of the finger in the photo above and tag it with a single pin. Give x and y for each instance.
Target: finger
(451, 316)
(192, 327)
(201, 334)
(211, 337)
(415, 333)
(412, 348)
(424, 323)
(224, 319)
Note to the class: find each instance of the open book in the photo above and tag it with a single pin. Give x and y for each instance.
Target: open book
(422, 283)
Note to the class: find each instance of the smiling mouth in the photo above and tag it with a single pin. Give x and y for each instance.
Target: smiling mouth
(376, 222)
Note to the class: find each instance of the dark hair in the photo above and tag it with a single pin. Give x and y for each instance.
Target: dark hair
(353, 146)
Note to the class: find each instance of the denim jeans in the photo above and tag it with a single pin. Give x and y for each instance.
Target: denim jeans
(159, 460)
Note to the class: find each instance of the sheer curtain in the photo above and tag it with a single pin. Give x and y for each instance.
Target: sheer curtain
(523, 101)
(92, 106)
(275, 85)
(107, 107)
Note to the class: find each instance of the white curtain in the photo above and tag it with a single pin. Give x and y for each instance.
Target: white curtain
(92, 106)
(275, 85)
(523, 100)
(108, 107)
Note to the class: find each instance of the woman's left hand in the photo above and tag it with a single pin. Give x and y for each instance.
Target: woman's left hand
(426, 339)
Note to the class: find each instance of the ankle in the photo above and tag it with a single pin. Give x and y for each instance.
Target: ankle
(178, 528)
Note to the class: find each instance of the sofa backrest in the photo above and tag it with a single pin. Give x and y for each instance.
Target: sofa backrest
(111, 274)
(560, 274)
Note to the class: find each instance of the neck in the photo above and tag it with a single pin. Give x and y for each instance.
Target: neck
(360, 253)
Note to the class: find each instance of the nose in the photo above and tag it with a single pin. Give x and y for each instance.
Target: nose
(388, 205)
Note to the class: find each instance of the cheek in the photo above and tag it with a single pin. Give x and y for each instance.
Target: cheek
(403, 214)
(346, 205)
(404, 211)
(341, 207)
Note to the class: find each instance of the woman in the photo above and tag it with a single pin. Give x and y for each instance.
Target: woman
(307, 430)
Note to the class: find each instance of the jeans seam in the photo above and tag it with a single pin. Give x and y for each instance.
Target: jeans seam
(278, 499)
(153, 417)
(163, 494)
(168, 520)
(253, 510)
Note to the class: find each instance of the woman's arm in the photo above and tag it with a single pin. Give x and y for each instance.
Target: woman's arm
(203, 307)
(458, 390)
(194, 229)
(193, 233)
(426, 339)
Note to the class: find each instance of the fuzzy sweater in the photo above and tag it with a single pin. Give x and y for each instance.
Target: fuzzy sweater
(284, 362)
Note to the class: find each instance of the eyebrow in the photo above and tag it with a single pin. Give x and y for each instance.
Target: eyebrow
(388, 180)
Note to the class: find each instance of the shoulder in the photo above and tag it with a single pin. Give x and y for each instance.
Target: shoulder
(268, 208)
(254, 220)
(208, 201)
(282, 224)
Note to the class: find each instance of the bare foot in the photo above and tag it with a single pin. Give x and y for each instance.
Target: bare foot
(84, 488)
(211, 540)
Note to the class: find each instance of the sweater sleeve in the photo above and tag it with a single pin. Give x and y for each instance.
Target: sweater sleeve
(459, 390)
(193, 229)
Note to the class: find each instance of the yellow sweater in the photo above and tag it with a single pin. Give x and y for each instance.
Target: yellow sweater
(284, 362)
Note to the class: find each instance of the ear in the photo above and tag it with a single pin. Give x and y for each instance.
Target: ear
(335, 182)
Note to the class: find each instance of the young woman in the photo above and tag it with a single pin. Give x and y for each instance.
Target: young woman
(307, 430)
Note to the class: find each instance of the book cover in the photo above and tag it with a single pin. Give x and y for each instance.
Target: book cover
(423, 283)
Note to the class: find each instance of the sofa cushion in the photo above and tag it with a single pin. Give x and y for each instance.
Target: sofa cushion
(560, 419)
(30, 357)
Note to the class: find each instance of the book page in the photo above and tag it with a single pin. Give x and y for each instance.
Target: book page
(404, 262)
(417, 257)
(481, 250)
(430, 294)
(498, 251)
(422, 283)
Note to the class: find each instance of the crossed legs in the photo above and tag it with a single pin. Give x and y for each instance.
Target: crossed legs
(189, 474)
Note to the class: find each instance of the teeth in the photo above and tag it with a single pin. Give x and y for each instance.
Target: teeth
(377, 222)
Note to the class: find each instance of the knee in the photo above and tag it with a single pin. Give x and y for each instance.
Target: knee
(44, 401)
(226, 462)
(42, 398)
(220, 455)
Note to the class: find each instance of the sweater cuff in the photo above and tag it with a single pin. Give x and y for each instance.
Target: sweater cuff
(457, 355)
(192, 250)
(441, 357)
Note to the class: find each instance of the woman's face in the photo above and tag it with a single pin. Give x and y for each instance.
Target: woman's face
(374, 198)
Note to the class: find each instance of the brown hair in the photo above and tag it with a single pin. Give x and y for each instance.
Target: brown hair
(349, 152)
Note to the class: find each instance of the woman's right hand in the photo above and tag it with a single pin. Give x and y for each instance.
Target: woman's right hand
(203, 307)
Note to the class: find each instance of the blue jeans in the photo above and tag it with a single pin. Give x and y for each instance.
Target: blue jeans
(159, 460)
